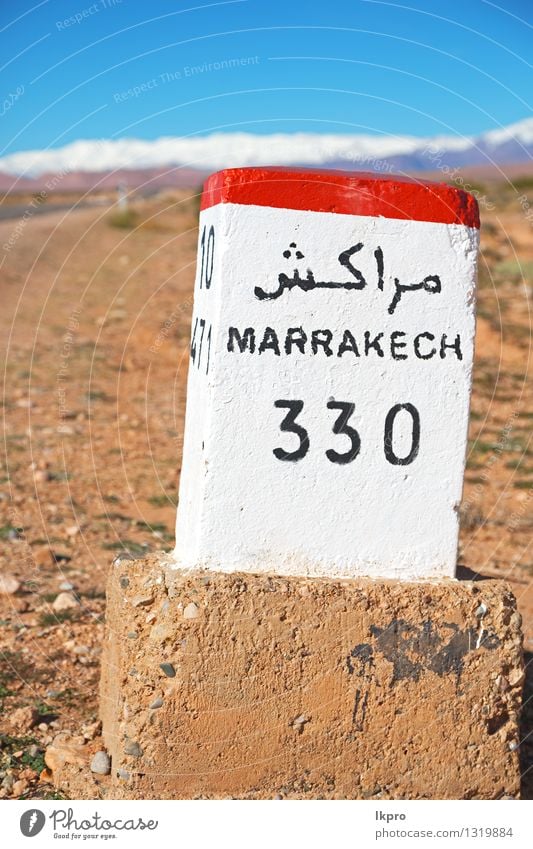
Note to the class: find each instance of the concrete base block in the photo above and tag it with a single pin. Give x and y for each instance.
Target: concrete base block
(245, 686)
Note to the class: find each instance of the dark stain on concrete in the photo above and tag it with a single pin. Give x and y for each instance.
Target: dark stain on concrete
(414, 650)
(359, 710)
(363, 655)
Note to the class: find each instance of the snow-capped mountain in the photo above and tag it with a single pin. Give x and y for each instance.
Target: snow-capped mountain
(512, 144)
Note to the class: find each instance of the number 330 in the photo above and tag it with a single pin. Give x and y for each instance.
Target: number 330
(342, 428)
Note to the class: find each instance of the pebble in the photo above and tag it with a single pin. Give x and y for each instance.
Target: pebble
(168, 669)
(123, 773)
(65, 429)
(24, 718)
(60, 753)
(117, 315)
(29, 774)
(516, 676)
(132, 748)
(65, 601)
(157, 703)
(142, 600)
(66, 586)
(124, 555)
(9, 585)
(101, 763)
(124, 583)
(19, 787)
(191, 611)
(81, 650)
(502, 683)
(60, 557)
(299, 723)
(43, 556)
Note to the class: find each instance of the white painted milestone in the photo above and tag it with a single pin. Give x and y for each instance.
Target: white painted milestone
(330, 376)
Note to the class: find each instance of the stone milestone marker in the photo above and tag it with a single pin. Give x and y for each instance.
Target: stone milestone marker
(329, 382)
(330, 374)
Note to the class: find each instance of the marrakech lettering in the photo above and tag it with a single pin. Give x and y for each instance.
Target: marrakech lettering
(398, 345)
(430, 284)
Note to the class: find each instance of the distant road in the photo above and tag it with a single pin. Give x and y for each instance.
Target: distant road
(18, 210)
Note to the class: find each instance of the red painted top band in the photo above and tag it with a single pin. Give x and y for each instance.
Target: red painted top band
(343, 192)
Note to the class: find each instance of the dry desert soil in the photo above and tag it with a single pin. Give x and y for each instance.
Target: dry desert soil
(94, 325)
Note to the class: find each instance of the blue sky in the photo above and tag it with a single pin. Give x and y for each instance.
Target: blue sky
(133, 69)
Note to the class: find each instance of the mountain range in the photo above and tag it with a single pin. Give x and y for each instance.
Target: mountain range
(184, 161)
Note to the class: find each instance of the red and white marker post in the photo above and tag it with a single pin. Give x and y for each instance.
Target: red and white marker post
(330, 375)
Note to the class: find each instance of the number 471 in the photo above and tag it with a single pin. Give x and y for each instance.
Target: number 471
(341, 427)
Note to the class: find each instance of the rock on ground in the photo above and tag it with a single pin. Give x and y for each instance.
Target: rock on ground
(65, 601)
(101, 763)
(9, 585)
(24, 718)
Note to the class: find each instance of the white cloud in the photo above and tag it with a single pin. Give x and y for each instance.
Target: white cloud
(224, 150)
